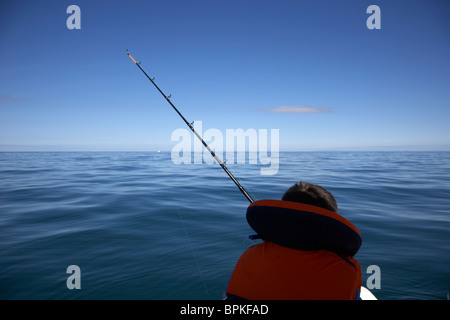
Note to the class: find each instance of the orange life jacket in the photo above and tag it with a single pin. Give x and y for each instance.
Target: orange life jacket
(308, 254)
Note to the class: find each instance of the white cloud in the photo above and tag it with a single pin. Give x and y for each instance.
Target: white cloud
(297, 109)
(9, 98)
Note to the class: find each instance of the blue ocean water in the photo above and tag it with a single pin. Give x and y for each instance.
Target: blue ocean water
(141, 227)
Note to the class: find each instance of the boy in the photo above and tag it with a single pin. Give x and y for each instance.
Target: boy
(307, 253)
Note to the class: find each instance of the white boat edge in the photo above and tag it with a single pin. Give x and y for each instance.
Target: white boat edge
(365, 294)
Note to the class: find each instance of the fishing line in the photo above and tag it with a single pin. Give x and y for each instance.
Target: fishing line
(189, 124)
(197, 264)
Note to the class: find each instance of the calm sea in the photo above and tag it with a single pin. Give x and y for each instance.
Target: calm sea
(140, 227)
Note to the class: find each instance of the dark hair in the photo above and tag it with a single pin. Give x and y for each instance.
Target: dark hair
(311, 194)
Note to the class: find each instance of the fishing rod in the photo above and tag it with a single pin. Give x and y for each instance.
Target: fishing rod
(224, 167)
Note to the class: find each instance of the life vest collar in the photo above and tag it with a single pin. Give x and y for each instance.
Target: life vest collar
(303, 227)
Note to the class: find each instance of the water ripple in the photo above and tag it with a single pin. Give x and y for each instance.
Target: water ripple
(141, 227)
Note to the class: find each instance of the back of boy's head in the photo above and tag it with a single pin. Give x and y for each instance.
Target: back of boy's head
(311, 194)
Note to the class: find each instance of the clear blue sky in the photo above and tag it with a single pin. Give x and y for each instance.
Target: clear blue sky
(230, 64)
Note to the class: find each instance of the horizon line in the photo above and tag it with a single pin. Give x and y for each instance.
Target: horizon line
(84, 148)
